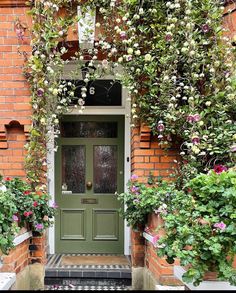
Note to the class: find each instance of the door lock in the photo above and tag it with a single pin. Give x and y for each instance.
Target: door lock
(89, 184)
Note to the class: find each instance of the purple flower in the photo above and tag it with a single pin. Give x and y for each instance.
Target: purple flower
(205, 28)
(219, 169)
(196, 117)
(193, 118)
(190, 118)
(123, 35)
(39, 226)
(160, 126)
(54, 205)
(220, 225)
(40, 92)
(168, 37)
(134, 189)
(195, 140)
(160, 136)
(15, 218)
(134, 177)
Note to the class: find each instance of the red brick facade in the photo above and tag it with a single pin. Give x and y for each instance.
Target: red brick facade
(15, 108)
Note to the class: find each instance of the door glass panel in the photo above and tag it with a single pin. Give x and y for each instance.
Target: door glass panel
(73, 169)
(105, 168)
(89, 129)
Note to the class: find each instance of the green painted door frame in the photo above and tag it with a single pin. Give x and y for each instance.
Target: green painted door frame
(88, 221)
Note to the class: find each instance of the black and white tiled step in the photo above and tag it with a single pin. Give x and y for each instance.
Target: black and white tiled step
(88, 288)
(87, 284)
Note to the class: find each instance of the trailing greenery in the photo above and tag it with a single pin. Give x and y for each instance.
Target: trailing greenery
(201, 227)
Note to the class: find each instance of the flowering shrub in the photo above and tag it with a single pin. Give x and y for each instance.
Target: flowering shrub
(201, 229)
(141, 200)
(20, 206)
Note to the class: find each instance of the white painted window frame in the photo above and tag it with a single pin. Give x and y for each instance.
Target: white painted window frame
(94, 110)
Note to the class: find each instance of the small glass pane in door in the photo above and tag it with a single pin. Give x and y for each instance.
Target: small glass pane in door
(73, 169)
(105, 168)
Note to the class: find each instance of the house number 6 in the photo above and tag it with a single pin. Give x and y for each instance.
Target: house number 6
(92, 90)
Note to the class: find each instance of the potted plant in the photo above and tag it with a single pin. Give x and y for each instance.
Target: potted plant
(201, 227)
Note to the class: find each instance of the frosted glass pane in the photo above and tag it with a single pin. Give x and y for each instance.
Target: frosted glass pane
(73, 169)
(105, 169)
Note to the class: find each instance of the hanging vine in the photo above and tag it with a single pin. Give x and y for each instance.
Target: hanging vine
(178, 69)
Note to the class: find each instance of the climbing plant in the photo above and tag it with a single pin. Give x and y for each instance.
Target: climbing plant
(178, 69)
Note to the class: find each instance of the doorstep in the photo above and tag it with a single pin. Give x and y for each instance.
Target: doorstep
(56, 269)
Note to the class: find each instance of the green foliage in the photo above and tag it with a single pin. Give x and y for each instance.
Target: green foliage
(201, 231)
(142, 199)
(8, 227)
(19, 206)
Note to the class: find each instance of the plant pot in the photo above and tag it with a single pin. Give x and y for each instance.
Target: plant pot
(210, 276)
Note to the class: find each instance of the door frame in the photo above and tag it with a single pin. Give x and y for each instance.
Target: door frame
(123, 110)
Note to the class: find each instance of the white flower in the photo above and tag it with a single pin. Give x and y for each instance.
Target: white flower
(208, 103)
(141, 11)
(148, 57)
(138, 52)
(98, 24)
(43, 121)
(130, 51)
(3, 187)
(55, 92)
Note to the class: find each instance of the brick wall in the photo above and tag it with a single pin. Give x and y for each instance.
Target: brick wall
(15, 109)
(17, 259)
(30, 251)
(149, 159)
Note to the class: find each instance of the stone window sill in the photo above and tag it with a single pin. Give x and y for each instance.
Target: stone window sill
(22, 237)
(7, 280)
(205, 285)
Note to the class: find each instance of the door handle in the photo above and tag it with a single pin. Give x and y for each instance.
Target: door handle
(89, 184)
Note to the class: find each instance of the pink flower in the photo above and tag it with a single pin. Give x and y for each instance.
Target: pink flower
(219, 169)
(39, 226)
(7, 179)
(26, 192)
(134, 189)
(27, 214)
(134, 177)
(15, 218)
(155, 239)
(220, 225)
(35, 204)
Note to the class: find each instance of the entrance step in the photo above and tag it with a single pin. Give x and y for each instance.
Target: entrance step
(88, 272)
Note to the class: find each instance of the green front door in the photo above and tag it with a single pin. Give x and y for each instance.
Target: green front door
(89, 170)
